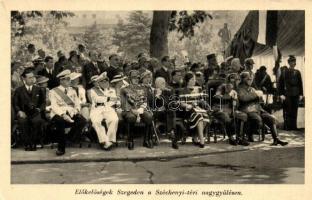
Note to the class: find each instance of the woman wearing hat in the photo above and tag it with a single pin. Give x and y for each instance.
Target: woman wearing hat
(73, 62)
(194, 111)
(118, 82)
(81, 93)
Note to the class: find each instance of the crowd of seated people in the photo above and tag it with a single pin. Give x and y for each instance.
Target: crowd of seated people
(68, 98)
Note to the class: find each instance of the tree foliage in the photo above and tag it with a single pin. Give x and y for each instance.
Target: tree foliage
(20, 19)
(204, 41)
(132, 36)
(185, 22)
(99, 39)
(46, 30)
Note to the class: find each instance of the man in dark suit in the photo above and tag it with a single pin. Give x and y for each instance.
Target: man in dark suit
(164, 71)
(49, 72)
(212, 65)
(114, 66)
(177, 79)
(291, 91)
(92, 68)
(29, 102)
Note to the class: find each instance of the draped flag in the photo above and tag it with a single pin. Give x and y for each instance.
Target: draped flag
(259, 28)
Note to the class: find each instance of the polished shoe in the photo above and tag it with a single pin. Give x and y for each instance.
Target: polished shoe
(263, 135)
(250, 139)
(33, 148)
(60, 152)
(102, 146)
(27, 148)
(274, 143)
(201, 145)
(232, 142)
(242, 142)
(130, 145)
(277, 141)
(183, 141)
(147, 145)
(109, 148)
(151, 143)
(195, 143)
(175, 145)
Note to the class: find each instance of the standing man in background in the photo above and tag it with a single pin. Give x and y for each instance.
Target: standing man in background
(291, 91)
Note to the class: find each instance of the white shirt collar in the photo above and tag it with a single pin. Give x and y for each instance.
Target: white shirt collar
(62, 88)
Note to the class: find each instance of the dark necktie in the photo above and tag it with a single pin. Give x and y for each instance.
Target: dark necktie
(65, 91)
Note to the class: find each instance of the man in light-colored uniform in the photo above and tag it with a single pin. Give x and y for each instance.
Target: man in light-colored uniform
(103, 99)
(65, 109)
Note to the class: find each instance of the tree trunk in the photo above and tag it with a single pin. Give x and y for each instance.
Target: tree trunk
(159, 34)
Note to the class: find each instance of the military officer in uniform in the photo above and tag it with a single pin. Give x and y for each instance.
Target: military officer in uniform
(103, 98)
(65, 108)
(134, 105)
(249, 103)
(291, 91)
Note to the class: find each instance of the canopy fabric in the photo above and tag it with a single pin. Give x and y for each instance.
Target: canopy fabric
(290, 36)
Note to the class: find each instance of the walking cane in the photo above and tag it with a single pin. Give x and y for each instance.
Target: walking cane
(234, 118)
(155, 132)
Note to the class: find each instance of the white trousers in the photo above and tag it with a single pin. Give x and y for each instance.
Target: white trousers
(97, 115)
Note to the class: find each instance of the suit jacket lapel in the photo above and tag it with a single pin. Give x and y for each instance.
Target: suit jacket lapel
(33, 93)
(26, 94)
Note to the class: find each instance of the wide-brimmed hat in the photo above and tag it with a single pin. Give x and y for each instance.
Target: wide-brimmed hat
(117, 78)
(145, 73)
(64, 74)
(134, 74)
(41, 79)
(37, 60)
(75, 75)
(228, 59)
(98, 78)
(232, 75)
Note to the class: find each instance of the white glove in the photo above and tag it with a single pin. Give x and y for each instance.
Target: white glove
(233, 94)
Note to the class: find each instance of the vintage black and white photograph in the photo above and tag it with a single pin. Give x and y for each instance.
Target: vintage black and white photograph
(157, 97)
